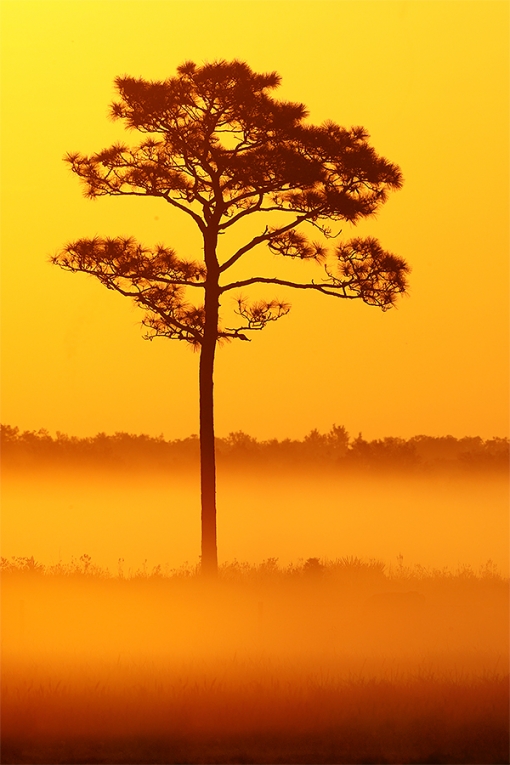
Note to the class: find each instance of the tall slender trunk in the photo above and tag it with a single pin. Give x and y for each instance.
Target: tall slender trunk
(209, 564)
(209, 561)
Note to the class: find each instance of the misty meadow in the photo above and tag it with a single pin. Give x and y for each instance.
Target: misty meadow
(437, 501)
(360, 612)
(321, 662)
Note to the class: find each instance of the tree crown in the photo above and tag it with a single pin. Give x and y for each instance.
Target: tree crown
(219, 147)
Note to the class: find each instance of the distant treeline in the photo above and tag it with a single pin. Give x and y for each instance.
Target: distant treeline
(335, 449)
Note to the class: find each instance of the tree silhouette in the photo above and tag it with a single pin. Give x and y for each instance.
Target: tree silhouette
(219, 148)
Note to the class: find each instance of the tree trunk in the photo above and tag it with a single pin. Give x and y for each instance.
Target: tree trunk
(209, 563)
(209, 560)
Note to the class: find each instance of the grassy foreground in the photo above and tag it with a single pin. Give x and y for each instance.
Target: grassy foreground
(338, 662)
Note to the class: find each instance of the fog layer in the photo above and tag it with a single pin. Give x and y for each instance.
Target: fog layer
(150, 518)
(310, 664)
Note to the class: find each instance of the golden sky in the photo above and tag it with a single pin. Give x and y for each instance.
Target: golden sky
(428, 80)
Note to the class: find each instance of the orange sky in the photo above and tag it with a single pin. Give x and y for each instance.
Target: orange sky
(429, 81)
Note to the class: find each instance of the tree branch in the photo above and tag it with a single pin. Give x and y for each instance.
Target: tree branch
(325, 289)
(266, 236)
(198, 220)
(111, 276)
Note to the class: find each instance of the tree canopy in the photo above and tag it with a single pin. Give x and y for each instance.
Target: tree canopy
(218, 147)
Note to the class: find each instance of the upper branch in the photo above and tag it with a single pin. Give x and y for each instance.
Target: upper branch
(267, 236)
(143, 171)
(324, 288)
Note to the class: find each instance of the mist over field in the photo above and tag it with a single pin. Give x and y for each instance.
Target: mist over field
(360, 615)
(311, 663)
(149, 517)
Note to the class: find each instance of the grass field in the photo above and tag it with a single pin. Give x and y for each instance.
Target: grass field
(321, 662)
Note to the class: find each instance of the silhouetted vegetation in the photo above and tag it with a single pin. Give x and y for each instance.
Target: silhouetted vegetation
(349, 570)
(334, 450)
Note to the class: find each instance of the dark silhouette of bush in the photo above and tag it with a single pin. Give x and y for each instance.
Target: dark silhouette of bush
(331, 451)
